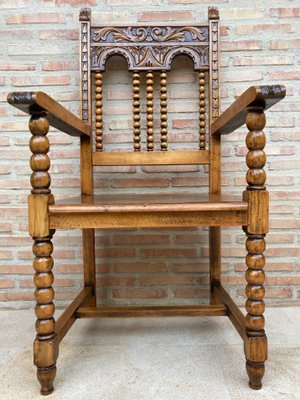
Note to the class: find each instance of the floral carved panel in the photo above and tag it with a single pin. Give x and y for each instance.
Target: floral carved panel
(149, 47)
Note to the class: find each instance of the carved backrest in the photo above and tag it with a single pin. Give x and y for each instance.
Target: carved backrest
(150, 50)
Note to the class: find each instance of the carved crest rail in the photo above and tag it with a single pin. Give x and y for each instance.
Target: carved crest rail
(151, 47)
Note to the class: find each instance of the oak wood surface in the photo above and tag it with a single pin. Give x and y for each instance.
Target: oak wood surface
(234, 313)
(58, 116)
(235, 115)
(68, 317)
(189, 157)
(151, 311)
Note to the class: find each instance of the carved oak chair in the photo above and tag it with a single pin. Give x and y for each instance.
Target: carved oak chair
(148, 49)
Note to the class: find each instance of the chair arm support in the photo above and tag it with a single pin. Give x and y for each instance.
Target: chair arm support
(58, 116)
(235, 115)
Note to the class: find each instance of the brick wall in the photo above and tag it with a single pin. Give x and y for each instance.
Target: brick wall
(39, 51)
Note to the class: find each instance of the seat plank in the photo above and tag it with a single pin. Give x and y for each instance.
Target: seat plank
(147, 211)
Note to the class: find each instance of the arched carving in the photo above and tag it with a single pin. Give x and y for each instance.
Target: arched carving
(149, 47)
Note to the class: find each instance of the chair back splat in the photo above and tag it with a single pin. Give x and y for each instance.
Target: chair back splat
(149, 51)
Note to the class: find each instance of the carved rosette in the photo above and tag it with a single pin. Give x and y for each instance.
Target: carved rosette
(147, 48)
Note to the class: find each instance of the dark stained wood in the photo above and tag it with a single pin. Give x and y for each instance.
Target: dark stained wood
(235, 115)
(151, 311)
(58, 116)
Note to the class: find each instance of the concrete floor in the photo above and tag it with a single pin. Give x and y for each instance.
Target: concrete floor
(152, 359)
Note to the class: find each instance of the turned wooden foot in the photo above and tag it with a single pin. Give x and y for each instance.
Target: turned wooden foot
(255, 371)
(46, 378)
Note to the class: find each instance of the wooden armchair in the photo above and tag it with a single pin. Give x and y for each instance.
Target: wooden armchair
(148, 50)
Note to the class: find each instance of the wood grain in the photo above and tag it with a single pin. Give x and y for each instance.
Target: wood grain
(58, 116)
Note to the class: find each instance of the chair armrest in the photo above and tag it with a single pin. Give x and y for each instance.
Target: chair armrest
(235, 115)
(58, 116)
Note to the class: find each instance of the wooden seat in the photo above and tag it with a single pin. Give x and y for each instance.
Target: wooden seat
(149, 50)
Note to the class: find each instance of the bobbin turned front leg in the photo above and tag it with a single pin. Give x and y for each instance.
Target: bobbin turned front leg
(46, 342)
(255, 342)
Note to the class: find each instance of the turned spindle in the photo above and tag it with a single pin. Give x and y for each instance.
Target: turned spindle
(150, 117)
(202, 132)
(136, 111)
(163, 112)
(256, 341)
(45, 344)
(98, 111)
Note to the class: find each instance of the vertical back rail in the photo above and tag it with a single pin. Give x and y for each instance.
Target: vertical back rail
(136, 111)
(163, 112)
(85, 79)
(150, 114)
(86, 170)
(202, 123)
(214, 146)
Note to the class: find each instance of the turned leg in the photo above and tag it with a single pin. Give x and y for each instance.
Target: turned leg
(256, 340)
(46, 342)
(257, 197)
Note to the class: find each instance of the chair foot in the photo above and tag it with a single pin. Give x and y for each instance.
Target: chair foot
(255, 371)
(46, 378)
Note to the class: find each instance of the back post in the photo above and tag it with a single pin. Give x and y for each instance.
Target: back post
(86, 172)
(215, 146)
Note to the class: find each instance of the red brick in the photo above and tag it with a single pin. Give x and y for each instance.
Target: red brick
(246, 29)
(241, 45)
(140, 182)
(242, 13)
(68, 268)
(165, 16)
(66, 34)
(286, 75)
(167, 280)
(35, 18)
(190, 293)
(4, 141)
(17, 296)
(14, 4)
(172, 253)
(76, 3)
(267, 60)
(242, 76)
(191, 267)
(187, 181)
(139, 293)
(115, 252)
(40, 80)
(141, 239)
(184, 123)
(285, 12)
(278, 293)
(5, 254)
(285, 44)
(196, 1)
(115, 281)
(139, 267)
(6, 283)
(9, 66)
